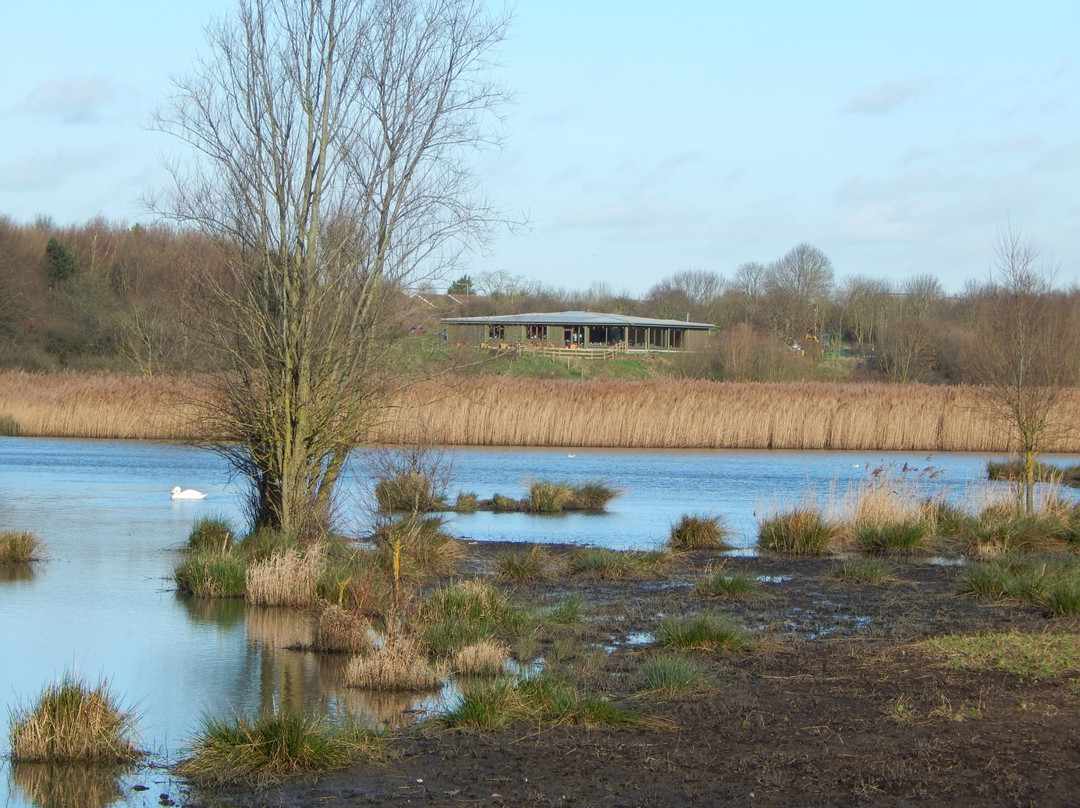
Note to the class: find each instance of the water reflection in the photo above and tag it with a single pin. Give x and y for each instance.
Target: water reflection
(67, 785)
(10, 573)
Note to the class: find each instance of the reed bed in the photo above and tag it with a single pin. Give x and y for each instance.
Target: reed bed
(502, 411)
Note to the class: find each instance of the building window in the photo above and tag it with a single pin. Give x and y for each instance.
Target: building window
(496, 331)
(536, 332)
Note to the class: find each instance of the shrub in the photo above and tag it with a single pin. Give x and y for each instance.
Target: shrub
(671, 674)
(211, 533)
(702, 633)
(398, 664)
(272, 747)
(411, 491)
(699, 533)
(798, 532)
(891, 538)
(19, 547)
(209, 574)
(288, 579)
(547, 497)
(527, 566)
(72, 721)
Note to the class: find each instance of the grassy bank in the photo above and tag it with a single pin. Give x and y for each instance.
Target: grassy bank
(499, 411)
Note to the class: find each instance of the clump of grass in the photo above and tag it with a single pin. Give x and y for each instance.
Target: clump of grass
(410, 491)
(466, 502)
(798, 532)
(946, 518)
(893, 538)
(19, 547)
(548, 497)
(504, 503)
(209, 574)
(422, 547)
(699, 533)
(862, 571)
(338, 630)
(1035, 656)
(399, 664)
(702, 633)
(566, 613)
(721, 584)
(211, 533)
(592, 496)
(527, 566)
(273, 747)
(72, 721)
(289, 579)
(602, 564)
(464, 613)
(265, 542)
(1001, 530)
(672, 674)
(1049, 583)
(504, 702)
(482, 658)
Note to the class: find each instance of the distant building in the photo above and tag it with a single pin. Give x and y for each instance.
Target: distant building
(577, 330)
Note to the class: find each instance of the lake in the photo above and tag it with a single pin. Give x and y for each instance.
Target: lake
(103, 605)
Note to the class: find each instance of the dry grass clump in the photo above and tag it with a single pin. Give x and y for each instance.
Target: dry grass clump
(19, 547)
(286, 579)
(341, 631)
(548, 497)
(421, 547)
(273, 747)
(699, 533)
(72, 721)
(482, 658)
(801, 531)
(398, 664)
(526, 566)
(602, 564)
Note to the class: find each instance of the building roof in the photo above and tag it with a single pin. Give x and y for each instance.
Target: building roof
(577, 318)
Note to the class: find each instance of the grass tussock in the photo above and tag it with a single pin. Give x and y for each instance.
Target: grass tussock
(802, 531)
(731, 586)
(398, 664)
(411, 492)
(1050, 583)
(541, 700)
(20, 547)
(211, 574)
(601, 564)
(1001, 530)
(702, 633)
(526, 566)
(289, 579)
(71, 721)
(671, 674)
(894, 538)
(1032, 656)
(693, 532)
(464, 613)
(557, 497)
(862, 571)
(273, 747)
(424, 550)
(482, 658)
(211, 533)
(9, 427)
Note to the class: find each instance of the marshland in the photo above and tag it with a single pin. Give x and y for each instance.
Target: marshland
(674, 634)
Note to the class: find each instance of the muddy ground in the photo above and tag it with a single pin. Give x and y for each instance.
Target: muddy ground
(836, 705)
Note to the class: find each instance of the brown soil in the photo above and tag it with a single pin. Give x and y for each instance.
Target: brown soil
(836, 705)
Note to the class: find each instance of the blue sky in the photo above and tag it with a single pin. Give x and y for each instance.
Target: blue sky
(646, 138)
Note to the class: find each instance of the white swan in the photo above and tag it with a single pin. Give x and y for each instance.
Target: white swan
(189, 493)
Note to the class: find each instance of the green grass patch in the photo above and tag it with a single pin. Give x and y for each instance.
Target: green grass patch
(721, 584)
(1048, 582)
(466, 502)
(72, 721)
(798, 532)
(210, 574)
(20, 547)
(894, 538)
(211, 533)
(464, 613)
(862, 571)
(273, 747)
(526, 566)
(602, 564)
(702, 633)
(699, 533)
(671, 674)
(1035, 656)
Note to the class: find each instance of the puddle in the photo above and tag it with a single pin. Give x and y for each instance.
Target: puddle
(774, 579)
(810, 624)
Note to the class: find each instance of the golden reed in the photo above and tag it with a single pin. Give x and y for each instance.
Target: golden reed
(500, 411)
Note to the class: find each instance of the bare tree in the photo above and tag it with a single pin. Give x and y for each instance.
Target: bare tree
(1024, 350)
(798, 287)
(330, 139)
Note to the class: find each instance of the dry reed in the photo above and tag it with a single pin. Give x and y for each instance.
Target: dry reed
(483, 658)
(489, 411)
(286, 579)
(398, 664)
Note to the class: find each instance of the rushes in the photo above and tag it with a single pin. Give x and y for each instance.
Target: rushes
(286, 579)
(19, 547)
(798, 532)
(699, 533)
(72, 721)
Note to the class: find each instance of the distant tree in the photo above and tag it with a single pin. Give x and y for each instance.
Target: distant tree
(748, 285)
(798, 287)
(462, 286)
(1026, 349)
(59, 264)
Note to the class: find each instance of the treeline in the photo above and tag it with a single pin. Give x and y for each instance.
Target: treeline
(113, 297)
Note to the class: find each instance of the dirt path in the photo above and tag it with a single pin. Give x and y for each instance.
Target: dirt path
(837, 704)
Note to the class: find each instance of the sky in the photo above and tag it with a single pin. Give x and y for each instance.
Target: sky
(899, 137)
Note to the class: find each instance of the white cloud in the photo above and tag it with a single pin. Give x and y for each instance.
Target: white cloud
(884, 98)
(71, 100)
